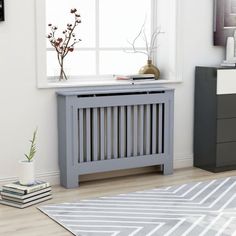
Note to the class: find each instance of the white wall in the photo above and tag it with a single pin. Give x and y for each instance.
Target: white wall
(23, 106)
(196, 48)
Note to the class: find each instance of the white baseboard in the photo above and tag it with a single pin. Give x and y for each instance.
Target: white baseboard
(52, 177)
(183, 161)
(180, 161)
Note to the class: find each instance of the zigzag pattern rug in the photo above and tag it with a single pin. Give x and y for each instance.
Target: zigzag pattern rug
(195, 209)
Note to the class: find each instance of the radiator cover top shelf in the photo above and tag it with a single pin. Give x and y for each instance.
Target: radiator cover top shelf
(114, 127)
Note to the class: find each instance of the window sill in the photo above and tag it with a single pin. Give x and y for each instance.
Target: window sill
(103, 82)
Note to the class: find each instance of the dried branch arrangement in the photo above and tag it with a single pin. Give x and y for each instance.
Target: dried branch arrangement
(65, 44)
(150, 46)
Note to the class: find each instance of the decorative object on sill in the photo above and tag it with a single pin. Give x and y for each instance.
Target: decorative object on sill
(2, 14)
(150, 69)
(26, 167)
(57, 71)
(230, 52)
(150, 48)
(65, 44)
(135, 77)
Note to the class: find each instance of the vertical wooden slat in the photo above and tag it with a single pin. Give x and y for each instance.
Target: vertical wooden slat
(102, 134)
(74, 137)
(147, 129)
(154, 129)
(88, 135)
(129, 131)
(135, 130)
(81, 135)
(122, 132)
(109, 143)
(115, 132)
(168, 120)
(95, 134)
(160, 128)
(141, 133)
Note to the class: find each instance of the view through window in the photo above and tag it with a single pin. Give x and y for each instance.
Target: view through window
(107, 28)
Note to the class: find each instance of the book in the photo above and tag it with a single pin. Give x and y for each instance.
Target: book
(228, 64)
(22, 189)
(136, 77)
(29, 199)
(14, 195)
(24, 205)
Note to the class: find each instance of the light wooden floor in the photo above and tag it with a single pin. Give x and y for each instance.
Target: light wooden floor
(31, 222)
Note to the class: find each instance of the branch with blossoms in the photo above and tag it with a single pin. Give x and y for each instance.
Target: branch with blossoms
(65, 44)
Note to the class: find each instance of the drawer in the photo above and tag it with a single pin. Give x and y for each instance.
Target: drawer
(226, 106)
(226, 130)
(226, 83)
(225, 154)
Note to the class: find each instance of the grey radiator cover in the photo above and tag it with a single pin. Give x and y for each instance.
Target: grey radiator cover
(69, 102)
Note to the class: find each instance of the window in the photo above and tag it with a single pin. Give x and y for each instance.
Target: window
(106, 28)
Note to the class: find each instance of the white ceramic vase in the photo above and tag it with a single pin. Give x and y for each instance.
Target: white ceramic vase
(26, 172)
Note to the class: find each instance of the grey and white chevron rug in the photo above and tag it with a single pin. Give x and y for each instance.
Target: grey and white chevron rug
(195, 209)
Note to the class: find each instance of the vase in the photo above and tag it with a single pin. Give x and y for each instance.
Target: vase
(62, 74)
(149, 68)
(26, 172)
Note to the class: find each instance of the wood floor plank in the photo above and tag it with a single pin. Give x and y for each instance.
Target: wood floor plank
(31, 222)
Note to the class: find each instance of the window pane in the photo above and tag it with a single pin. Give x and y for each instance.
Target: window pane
(76, 63)
(119, 62)
(58, 13)
(121, 20)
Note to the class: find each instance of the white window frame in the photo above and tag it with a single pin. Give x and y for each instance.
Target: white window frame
(172, 60)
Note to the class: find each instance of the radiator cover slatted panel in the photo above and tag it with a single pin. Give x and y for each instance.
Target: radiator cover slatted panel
(106, 129)
(117, 129)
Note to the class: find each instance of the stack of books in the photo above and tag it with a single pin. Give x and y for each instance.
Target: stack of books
(136, 77)
(21, 196)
